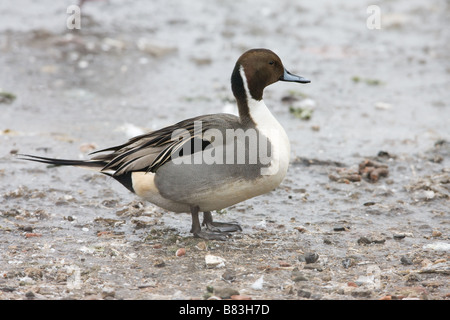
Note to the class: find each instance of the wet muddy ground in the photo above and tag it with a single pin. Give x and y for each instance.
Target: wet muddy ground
(362, 214)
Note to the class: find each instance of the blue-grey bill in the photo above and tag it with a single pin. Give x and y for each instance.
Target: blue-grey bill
(287, 76)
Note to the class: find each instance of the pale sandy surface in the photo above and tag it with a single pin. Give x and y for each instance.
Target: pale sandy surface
(135, 66)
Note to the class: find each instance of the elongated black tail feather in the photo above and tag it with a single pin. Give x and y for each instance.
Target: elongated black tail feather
(97, 165)
(89, 164)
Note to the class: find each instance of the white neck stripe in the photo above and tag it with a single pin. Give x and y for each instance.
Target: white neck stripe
(244, 81)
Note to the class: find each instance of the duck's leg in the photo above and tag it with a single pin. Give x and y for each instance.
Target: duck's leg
(218, 226)
(196, 228)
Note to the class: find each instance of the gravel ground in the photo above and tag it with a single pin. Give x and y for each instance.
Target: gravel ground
(362, 214)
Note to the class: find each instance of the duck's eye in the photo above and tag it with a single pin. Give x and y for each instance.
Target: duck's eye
(272, 62)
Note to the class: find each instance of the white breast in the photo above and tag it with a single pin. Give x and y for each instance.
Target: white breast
(272, 129)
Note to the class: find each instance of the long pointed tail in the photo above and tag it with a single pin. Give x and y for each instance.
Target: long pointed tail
(96, 165)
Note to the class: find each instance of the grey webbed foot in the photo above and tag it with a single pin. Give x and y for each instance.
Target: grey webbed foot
(214, 230)
(219, 226)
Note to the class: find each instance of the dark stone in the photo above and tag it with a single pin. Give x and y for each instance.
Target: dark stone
(311, 257)
(406, 261)
(364, 240)
(303, 293)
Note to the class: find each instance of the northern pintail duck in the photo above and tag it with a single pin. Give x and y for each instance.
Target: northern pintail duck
(208, 162)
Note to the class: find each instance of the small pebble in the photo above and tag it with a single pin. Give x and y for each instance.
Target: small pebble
(180, 252)
(214, 261)
(31, 235)
(406, 261)
(436, 233)
(225, 293)
(309, 257)
(258, 284)
(159, 264)
(303, 293)
(298, 276)
(229, 276)
(364, 240)
(201, 246)
(370, 203)
(347, 263)
(383, 105)
(384, 154)
(284, 264)
(300, 229)
(438, 246)
(399, 236)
